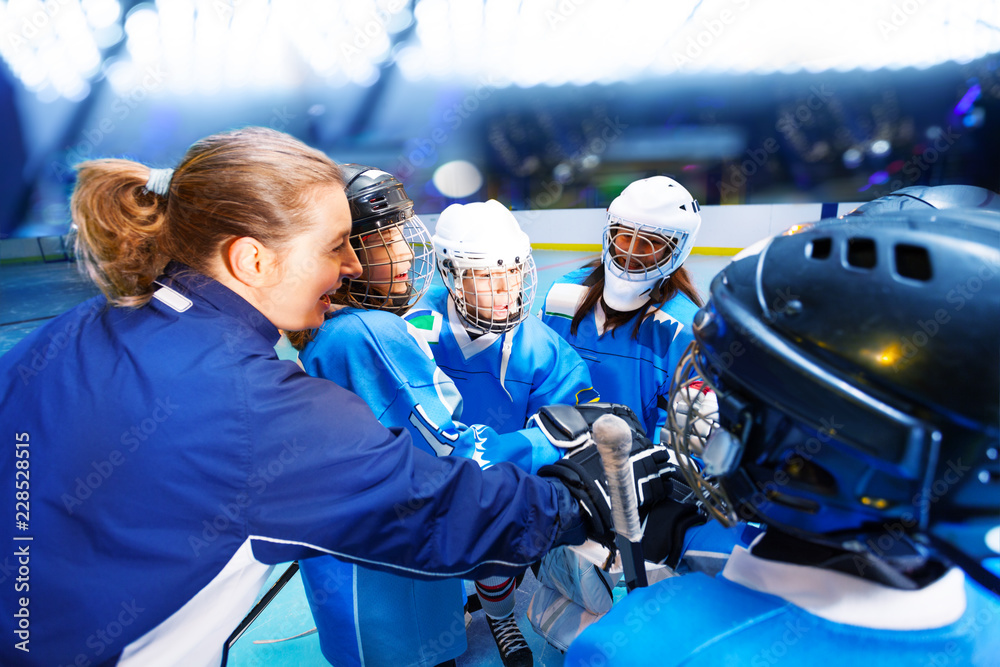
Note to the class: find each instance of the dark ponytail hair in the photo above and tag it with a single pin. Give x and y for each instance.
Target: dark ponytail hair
(665, 290)
(253, 182)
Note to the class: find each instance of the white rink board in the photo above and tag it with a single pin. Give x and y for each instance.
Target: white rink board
(722, 227)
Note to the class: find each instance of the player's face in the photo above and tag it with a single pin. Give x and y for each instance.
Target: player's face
(493, 294)
(635, 250)
(386, 259)
(313, 265)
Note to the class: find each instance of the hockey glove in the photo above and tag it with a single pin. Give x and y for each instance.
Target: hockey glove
(582, 471)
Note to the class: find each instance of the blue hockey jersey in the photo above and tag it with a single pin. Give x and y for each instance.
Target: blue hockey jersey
(167, 458)
(504, 378)
(376, 618)
(779, 613)
(624, 370)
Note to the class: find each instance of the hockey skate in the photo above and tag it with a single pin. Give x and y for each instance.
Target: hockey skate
(513, 648)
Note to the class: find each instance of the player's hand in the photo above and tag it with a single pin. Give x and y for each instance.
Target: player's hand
(582, 471)
(694, 416)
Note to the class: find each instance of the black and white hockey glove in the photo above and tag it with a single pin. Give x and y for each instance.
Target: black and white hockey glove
(582, 472)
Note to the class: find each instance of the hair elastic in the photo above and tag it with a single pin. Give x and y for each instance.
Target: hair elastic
(159, 181)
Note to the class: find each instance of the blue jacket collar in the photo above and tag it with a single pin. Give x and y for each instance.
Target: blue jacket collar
(190, 282)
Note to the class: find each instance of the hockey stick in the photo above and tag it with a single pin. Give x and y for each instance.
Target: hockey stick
(258, 609)
(614, 443)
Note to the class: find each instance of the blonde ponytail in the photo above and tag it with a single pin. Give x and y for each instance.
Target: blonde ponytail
(254, 182)
(120, 225)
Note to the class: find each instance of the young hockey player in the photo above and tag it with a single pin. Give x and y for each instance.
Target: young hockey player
(364, 616)
(506, 364)
(629, 315)
(877, 480)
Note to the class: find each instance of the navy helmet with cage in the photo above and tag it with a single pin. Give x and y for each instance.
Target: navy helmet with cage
(392, 243)
(927, 197)
(855, 371)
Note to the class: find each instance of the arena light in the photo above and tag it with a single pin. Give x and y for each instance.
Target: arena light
(458, 179)
(198, 45)
(53, 47)
(570, 41)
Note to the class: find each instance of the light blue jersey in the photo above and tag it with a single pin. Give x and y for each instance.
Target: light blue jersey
(779, 613)
(504, 378)
(625, 370)
(369, 617)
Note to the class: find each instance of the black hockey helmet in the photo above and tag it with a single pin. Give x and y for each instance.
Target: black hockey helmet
(926, 197)
(376, 197)
(389, 239)
(857, 374)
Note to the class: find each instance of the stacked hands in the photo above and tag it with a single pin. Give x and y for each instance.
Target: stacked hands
(582, 472)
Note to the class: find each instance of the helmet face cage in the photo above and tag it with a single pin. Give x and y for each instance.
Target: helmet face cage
(491, 296)
(397, 266)
(638, 252)
(691, 423)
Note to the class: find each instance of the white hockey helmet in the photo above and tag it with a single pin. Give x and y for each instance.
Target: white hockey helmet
(651, 229)
(485, 262)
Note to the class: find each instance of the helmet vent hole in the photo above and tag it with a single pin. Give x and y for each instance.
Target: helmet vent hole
(819, 249)
(913, 262)
(861, 253)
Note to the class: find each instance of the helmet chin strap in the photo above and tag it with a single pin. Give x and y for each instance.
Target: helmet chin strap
(972, 567)
(392, 303)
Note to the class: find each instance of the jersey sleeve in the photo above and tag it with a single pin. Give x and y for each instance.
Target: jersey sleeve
(376, 356)
(562, 378)
(326, 477)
